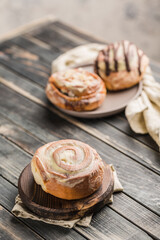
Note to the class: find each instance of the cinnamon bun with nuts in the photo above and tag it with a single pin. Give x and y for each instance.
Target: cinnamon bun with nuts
(121, 65)
(76, 89)
(68, 169)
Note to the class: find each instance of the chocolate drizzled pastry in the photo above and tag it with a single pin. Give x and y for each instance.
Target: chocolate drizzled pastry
(123, 62)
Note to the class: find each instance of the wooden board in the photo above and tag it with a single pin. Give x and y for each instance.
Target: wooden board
(114, 102)
(46, 205)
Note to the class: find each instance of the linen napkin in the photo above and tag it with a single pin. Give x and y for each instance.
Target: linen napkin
(19, 209)
(143, 114)
(83, 54)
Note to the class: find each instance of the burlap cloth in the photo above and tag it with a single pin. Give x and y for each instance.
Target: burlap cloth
(19, 209)
(143, 114)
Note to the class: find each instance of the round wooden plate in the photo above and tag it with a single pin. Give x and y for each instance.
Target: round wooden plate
(46, 205)
(114, 102)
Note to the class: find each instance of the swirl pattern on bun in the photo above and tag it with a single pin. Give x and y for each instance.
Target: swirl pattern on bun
(68, 169)
(76, 89)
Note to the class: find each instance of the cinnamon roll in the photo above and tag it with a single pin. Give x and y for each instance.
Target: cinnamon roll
(121, 65)
(76, 89)
(68, 169)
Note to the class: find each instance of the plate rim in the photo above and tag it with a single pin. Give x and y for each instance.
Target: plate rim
(86, 114)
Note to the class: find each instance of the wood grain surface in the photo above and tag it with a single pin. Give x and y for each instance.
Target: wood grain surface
(12, 228)
(106, 231)
(28, 120)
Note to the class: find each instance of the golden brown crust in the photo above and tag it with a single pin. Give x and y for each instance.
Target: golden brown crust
(77, 176)
(121, 65)
(121, 80)
(90, 98)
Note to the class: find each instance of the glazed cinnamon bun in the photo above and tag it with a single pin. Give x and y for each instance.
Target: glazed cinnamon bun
(76, 89)
(121, 65)
(68, 169)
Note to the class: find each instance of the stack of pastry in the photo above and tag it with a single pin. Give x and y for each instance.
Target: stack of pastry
(68, 169)
(121, 65)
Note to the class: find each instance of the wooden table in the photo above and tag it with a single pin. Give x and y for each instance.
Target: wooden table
(28, 121)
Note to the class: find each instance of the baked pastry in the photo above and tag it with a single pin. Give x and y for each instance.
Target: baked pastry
(121, 65)
(68, 169)
(76, 89)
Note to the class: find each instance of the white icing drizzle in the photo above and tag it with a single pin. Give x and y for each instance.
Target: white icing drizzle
(75, 82)
(58, 159)
(121, 56)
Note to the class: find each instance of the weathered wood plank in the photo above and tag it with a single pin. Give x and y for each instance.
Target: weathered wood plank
(106, 224)
(19, 136)
(75, 32)
(12, 228)
(98, 227)
(42, 124)
(73, 37)
(125, 143)
(140, 216)
(54, 38)
(33, 88)
(47, 231)
(120, 122)
(12, 161)
(25, 63)
(48, 55)
(98, 128)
